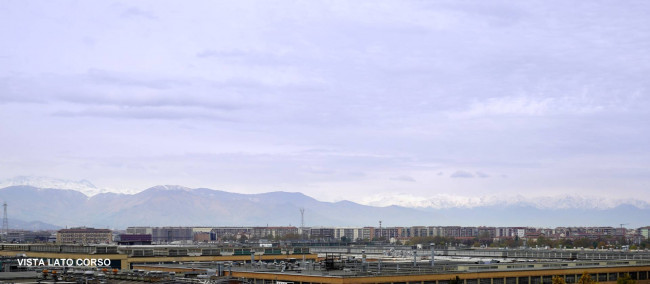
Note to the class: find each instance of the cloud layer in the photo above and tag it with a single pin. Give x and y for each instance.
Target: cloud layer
(335, 99)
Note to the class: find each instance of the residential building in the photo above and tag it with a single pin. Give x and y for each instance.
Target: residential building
(84, 236)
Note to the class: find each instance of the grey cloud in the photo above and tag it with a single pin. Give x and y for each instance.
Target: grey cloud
(403, 178)
(145, 113)
(248, 85)
(135, 12)
(249, 58)
(320, 171)
(497, 14)
(482, 175)
(106, 88)
(461, 174)
(112, 78)
(101, 87)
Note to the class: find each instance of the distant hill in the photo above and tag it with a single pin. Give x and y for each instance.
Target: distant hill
(83, 186)
(181, 206)
(15, 224)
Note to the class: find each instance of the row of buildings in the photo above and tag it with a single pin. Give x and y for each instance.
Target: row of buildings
(207, 234)
(161, 235)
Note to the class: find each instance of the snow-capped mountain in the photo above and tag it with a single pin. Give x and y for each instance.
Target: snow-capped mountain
(439, 201)
(442, 201)
(182, 206)
(171, 188)
(83, 186)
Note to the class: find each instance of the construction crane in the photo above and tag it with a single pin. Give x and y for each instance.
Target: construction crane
(624, 224)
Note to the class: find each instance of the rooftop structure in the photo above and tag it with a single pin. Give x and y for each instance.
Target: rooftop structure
(394, 272)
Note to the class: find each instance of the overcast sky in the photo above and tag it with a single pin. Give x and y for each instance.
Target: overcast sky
(338, 100)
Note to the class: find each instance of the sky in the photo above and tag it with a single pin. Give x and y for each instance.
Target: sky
(378, 102)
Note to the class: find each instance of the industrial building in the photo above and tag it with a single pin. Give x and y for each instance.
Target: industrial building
(538, 273)
(365, 264)
(124, 257)
(339, 269)
(163, 235)
(134, 239)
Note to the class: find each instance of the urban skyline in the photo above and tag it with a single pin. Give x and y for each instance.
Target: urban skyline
(569, 237)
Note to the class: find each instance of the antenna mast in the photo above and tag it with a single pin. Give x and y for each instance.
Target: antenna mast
(5, 221)
(302, 223)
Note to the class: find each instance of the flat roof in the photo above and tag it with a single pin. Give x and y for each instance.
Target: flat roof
(376, 269)
(18, 275)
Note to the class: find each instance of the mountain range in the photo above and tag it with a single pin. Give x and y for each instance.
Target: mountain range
(84, 186)
(181, 206)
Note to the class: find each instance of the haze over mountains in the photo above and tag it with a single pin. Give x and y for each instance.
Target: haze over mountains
(543, 202)
(37, 207)
(84, 186)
